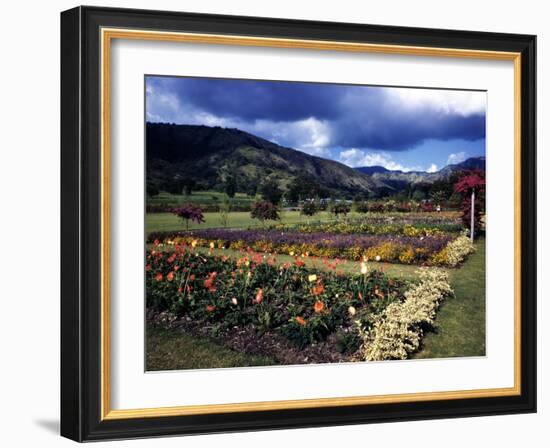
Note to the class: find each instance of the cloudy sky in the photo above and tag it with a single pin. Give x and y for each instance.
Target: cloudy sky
(398, 128)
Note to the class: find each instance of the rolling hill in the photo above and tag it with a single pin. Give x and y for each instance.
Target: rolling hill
(209, 154)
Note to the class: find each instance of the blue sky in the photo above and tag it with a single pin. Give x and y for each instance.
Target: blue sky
(398, 128)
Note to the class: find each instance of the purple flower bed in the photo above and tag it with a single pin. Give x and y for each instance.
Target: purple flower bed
(431, 244)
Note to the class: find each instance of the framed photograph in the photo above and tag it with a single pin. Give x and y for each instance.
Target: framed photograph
(273, 223)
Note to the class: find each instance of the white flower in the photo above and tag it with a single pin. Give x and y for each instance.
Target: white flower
(234, 301)
(352, 311)
(378, 258)
(211, 245)
(364, 267)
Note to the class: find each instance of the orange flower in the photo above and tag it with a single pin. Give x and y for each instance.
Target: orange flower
(318, 289)
(300, 263)
(259, 296)
(210, 308)
(300, 320)
(158, 277)
(319, 306)
(170, 276)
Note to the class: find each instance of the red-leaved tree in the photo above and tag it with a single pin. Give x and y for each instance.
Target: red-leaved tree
(470, 184)
(189, 212)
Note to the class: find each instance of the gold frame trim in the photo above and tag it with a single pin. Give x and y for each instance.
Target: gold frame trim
(107, 35)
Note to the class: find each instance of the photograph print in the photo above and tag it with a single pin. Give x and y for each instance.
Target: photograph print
(305, 223)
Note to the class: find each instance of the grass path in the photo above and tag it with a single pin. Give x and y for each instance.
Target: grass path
(460, 322)
(170, 350)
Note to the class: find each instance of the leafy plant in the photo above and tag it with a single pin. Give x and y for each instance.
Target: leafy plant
(189, 212)
(264, 211)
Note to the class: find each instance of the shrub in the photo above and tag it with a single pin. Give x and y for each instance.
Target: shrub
(189, 212)
(397, 331)
(264, 211)
(459, 249)
(309, 208)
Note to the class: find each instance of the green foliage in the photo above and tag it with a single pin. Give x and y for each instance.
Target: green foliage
(270, 191)
(152, 189)
(340, 208)
(230, 187)
(309, 208)
(225, 209)
(303, 186)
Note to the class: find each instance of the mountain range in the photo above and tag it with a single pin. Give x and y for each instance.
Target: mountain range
(210, 154)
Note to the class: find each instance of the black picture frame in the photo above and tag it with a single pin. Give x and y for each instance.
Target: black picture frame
(81, 223)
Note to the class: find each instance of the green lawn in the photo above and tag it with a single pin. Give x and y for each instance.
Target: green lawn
(156, 222)
(171, 350)
(198, 197)
(460, 322)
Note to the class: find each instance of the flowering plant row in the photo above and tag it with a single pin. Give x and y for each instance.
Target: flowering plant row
(303, 305)
(365, 227)
(398, 330)
(430, 250)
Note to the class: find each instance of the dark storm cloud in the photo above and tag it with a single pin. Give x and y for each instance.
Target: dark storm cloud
(355, 116)
(252, 100)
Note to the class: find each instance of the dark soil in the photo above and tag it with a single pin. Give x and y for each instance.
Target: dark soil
(248, 340)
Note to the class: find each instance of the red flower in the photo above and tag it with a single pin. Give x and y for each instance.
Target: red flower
(148, 267)
(158, 277)
(209, 282)
(170, 276)
(259, 296)
(300, 263)
(210, 308)
(300, 320)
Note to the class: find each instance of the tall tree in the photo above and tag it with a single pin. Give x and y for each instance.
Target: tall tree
(470, 185)
(271, 192)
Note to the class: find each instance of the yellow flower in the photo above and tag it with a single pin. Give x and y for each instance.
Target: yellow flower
(312, 278)
(194, 243)
(291, 253)
(364, 268)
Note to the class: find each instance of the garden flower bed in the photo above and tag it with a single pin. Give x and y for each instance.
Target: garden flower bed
(376, 228)
(429, 250)
(256, 292)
